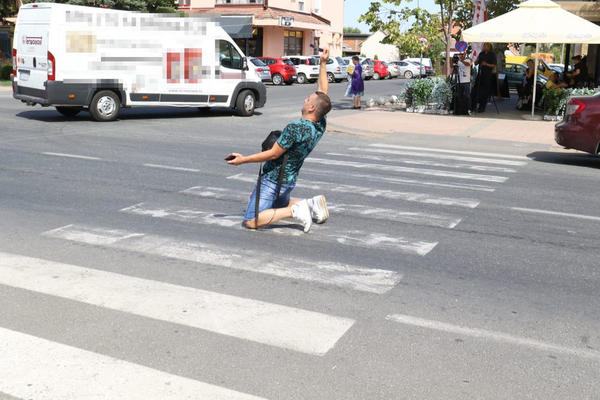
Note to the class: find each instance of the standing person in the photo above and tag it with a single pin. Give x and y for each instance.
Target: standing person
(487, 63)
(463, 89)
(357, 88)
(298, 139)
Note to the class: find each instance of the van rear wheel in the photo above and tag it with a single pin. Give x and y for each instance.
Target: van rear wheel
(105, 106)
(69, 111)
(245, 103)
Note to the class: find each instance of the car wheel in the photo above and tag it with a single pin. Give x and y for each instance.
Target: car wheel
(330, 77)
(368, 78)
(301, 79)
(376, 76)
(408, 75)
(68, 111)
(277, 79)
(388, 76)
(105, 106)
(245, 103)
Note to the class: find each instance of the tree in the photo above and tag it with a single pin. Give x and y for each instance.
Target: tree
(8, 8)
(350, 29)
(162, 6)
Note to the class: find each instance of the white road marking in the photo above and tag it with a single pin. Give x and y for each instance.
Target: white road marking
(370, 280)
(271, 324)
(396, 168)
(396, 215)
(446, 151)
(556, 213)
(36, 368)
(492, 335)
(370, 192)
(71, 156)
(159, 166)
(321, 233)
(440, 156)
(437, 164)
(406, 181)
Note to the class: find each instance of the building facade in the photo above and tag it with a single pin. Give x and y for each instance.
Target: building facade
(278, 27)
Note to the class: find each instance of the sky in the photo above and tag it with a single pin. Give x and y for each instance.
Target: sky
(354, 8)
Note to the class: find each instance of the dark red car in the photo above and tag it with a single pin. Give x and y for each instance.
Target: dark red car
(380, 70)
(579, 128)
(282, 70)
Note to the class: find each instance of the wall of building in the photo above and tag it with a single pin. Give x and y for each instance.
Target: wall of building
(272, 41)
(202, 3)
(373, 47)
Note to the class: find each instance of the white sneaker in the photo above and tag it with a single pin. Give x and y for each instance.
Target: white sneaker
(301, 213)
(318, 209)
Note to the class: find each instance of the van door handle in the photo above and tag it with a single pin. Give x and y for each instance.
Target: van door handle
(34, 62)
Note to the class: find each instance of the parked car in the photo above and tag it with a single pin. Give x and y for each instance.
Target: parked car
(420, 67)
(515, 74)
(426, 62)
(336, 69)
(307, 68)
(579, 128)
(367, 72)
(406, 69)
(560, 68)
(282, 70)
(393, 70)
(259, 68)
(381, 71)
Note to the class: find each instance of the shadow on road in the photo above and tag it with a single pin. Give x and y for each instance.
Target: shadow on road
(575, 159)
(51, 115)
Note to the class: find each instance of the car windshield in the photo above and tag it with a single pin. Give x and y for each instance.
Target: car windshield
(340, 60)
(257, 62)
(288, 62)
(368, 62)
(384, 63)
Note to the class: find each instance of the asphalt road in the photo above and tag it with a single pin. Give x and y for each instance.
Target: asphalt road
(124, 272)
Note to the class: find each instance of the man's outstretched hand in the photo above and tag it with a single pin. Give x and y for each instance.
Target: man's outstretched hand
(325, 55)
(234, 159)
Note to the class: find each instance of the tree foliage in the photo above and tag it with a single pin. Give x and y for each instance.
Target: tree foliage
(161, 6)
(8, 8)
(350, 29)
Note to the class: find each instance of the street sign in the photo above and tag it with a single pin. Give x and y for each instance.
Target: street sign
(286, 21)
(461, 46)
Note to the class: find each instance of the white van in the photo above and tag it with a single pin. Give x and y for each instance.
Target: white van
(74, 57)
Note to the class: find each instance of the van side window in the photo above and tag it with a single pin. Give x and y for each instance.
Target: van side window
(229, 57)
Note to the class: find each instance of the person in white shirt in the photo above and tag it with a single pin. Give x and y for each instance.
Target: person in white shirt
(463, 84)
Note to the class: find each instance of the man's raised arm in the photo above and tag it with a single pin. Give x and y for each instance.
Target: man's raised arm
(323, 85)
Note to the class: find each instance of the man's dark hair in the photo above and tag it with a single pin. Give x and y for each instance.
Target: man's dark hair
(576, 58)
(355, 58)
(322, 105)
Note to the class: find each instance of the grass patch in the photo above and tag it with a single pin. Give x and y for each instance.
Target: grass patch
(5, 83)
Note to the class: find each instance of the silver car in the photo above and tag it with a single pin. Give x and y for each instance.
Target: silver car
(259, 68)
(407, 69)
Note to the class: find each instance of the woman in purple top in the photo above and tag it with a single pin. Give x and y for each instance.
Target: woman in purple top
(357, 88)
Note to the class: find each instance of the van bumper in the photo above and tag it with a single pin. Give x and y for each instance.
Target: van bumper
(59, 93)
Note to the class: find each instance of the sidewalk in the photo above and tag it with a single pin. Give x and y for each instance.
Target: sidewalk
(506, 125)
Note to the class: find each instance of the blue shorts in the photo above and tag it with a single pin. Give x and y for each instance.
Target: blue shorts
(268, 197)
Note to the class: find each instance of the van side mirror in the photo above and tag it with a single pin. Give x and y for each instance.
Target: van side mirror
(245, 64)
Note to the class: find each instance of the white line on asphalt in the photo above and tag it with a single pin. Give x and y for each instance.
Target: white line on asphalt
(406, 181)
(492, 335)
(370, 280)
(395, 168)
(271, 324)
(159, 166)
(556, 213)
(468, 153)
(474, 167)
(364, 211)
(71, 156)
(321, 233)
(424, 198)
(440, 156)
(36, 368)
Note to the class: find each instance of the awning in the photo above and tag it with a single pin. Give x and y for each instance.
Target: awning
(236, 26)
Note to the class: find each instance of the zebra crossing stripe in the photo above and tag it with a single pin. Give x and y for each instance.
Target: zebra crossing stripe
(423, 198)
(371, 280)
(411, 170)
(446, 151)
(485, 160)
(427, 163)
(271, 324)
(322, 233)
(36, 368)
(409, 217)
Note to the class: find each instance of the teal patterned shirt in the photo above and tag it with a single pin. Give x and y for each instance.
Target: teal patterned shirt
(299, 138)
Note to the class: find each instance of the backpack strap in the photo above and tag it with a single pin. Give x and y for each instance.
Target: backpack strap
(257, 199)
(281, 171)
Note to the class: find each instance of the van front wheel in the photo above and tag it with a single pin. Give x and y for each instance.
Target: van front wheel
(105, 106)
(245, 103)
(69, 111)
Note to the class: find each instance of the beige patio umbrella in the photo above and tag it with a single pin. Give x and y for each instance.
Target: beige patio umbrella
(535, 21)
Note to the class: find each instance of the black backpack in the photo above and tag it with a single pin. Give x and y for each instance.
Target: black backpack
(267, 144)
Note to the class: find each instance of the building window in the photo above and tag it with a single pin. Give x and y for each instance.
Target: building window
(317, 8)
(292, 42)
(240, 1)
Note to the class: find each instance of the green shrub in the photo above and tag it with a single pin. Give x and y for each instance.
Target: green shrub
(422, 91)
(5, 71)
(407, 94)
(441, 94)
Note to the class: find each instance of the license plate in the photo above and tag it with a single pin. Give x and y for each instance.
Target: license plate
(24, 75)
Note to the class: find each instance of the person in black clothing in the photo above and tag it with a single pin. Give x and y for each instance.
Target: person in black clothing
(577, 78)
(484, 85)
